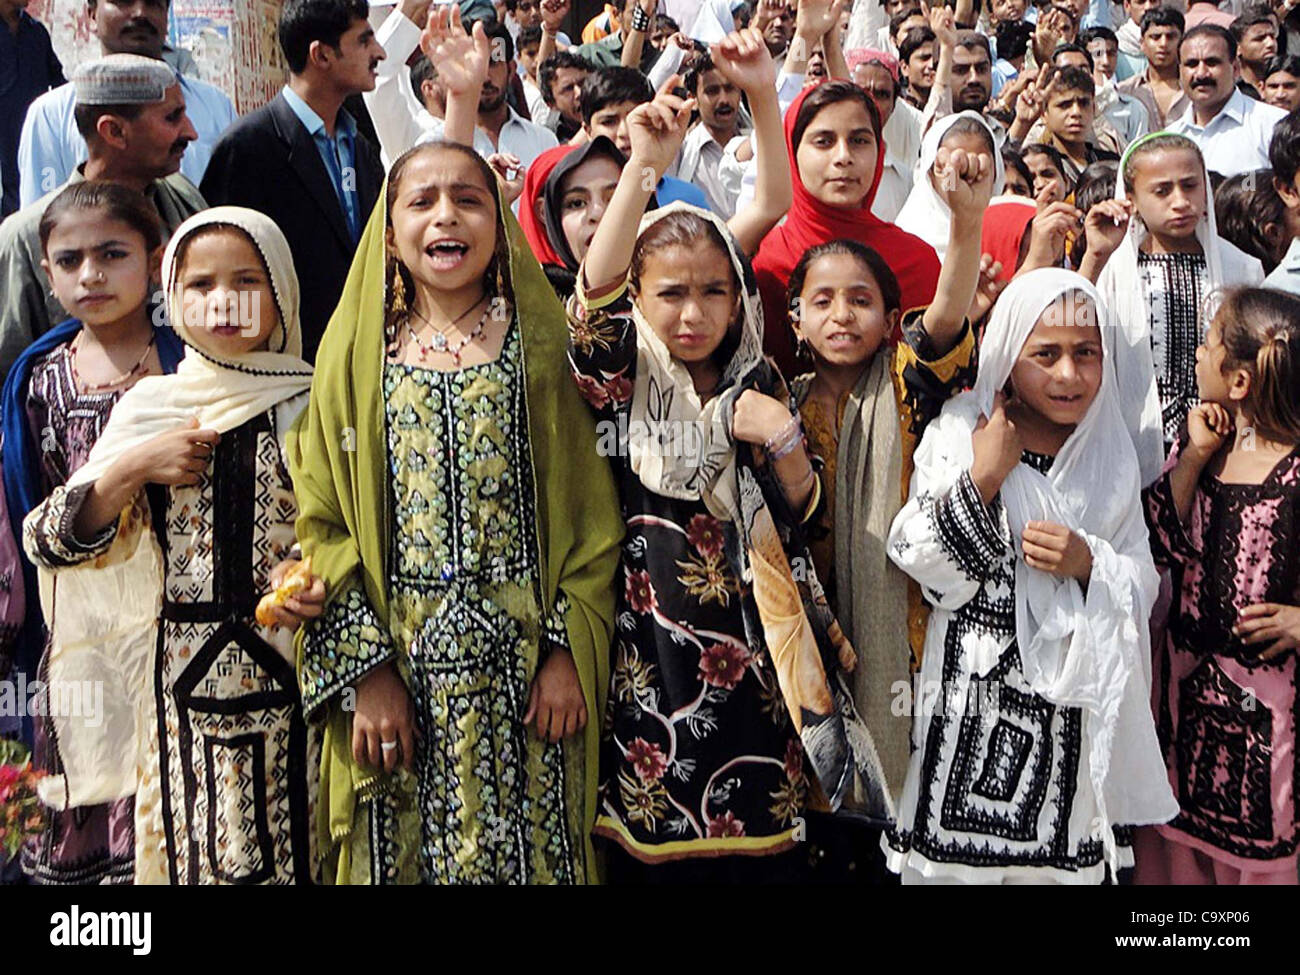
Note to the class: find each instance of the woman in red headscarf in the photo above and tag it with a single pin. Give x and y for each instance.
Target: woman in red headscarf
(836, 156)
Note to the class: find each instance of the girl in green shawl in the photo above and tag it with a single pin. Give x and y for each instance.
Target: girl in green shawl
(467, 532)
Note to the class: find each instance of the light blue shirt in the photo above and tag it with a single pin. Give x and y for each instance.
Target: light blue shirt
(338, 154)
(50, 147)
(1286, 276)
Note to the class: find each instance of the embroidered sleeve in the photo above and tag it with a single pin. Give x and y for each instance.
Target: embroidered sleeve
(602, 347)
(950, 544)
(49, 537)
(1171, 545)
(342, 646)
(553, 626)
(925, 380)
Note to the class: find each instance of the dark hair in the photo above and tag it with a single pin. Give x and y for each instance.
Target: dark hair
(914, 39)
(499, 267)
(702, 64)
(1244, 207)
(969, 126)
(1284, 150)
(1091, 34)
(304, 21)
(1251, 14)
(976, 8)
(878, 267)
(1162, 17)
(1012, 159)
(497, 32)
(1156, 143)
(613, 86)
(528, 36)
(1095, 184)
(1290, 63)
(1073, 49)
(1261, 334)
(546, 71)
(87, 116)
(118, 203)
(1013, 38)
(1211, 30)
(1042, 149)
(664, 22)
(421, 71)
(831, 93)
(896, 21)
(971, 40)
(1075, 78)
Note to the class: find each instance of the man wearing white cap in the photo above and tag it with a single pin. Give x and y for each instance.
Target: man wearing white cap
(131, 113)
(51, 146)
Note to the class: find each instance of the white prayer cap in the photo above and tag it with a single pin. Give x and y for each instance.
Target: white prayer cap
(122, 79)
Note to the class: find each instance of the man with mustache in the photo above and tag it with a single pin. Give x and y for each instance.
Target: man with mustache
(300, 159)
(1232, 130)
(51, 146)
(720, 122)
(132, 117)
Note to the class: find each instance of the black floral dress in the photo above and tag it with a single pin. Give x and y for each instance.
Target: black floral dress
(699, 757)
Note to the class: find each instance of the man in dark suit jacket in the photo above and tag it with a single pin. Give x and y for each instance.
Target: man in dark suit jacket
(301, 160)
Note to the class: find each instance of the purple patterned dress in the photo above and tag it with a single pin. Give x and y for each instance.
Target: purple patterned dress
(1227, 720)
(89, 844)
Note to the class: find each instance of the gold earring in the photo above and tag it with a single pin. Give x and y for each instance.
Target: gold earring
(399, 291)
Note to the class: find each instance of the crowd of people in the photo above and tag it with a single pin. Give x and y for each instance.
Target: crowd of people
(753, 441)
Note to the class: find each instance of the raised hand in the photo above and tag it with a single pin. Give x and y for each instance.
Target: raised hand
(963, 180)
(944, 24)
(656, 128)
(998, 446)
(987, 288)
(1053, 548)
(1105, 226)
(461, 60)
(416, 11)
(814, 19)
(741, 57)
(510, 172)
(1208, 426)
(553, 14)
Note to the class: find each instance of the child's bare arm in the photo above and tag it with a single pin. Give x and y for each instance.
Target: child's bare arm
(965, 184)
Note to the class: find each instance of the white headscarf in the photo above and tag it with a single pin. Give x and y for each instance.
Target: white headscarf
(925, 213)
(1121, 287)
(222, 394)
(1086, 650)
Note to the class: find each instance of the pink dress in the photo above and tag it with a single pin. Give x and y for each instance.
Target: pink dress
(1226, 719)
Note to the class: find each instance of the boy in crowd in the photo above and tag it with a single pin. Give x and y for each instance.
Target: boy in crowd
(561, 78)
(1158, 86)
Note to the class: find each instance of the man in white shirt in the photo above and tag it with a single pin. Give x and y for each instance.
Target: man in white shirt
(401, 121)
(1233, 130)
(50, 146)
(697, 162)
(1124, 112)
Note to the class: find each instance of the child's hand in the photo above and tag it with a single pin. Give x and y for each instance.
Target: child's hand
(1047, 235)
(757, 417)
(511, 173)
(656, 129)
(556, 698)
(305, 604)
(461, 60)
(384, 716)
(998, 447)
(1106, 225)
(965, 180)
(1271, 623)
(987, 288)
(176, 458)
(1208, 425)
(741, 57)
(1053, 548)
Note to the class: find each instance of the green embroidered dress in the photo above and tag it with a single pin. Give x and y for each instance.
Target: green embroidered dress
(496, 804)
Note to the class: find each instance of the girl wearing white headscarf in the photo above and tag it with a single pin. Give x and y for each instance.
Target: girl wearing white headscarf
(202, 716)
(1157, 294)
(925, 213)
(1032, 729)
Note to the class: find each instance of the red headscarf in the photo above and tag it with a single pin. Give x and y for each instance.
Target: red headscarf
(1006, 221)
(534, 185)
(811, 222)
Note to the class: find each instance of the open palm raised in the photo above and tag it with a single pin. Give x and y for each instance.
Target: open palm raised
(461, 60)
